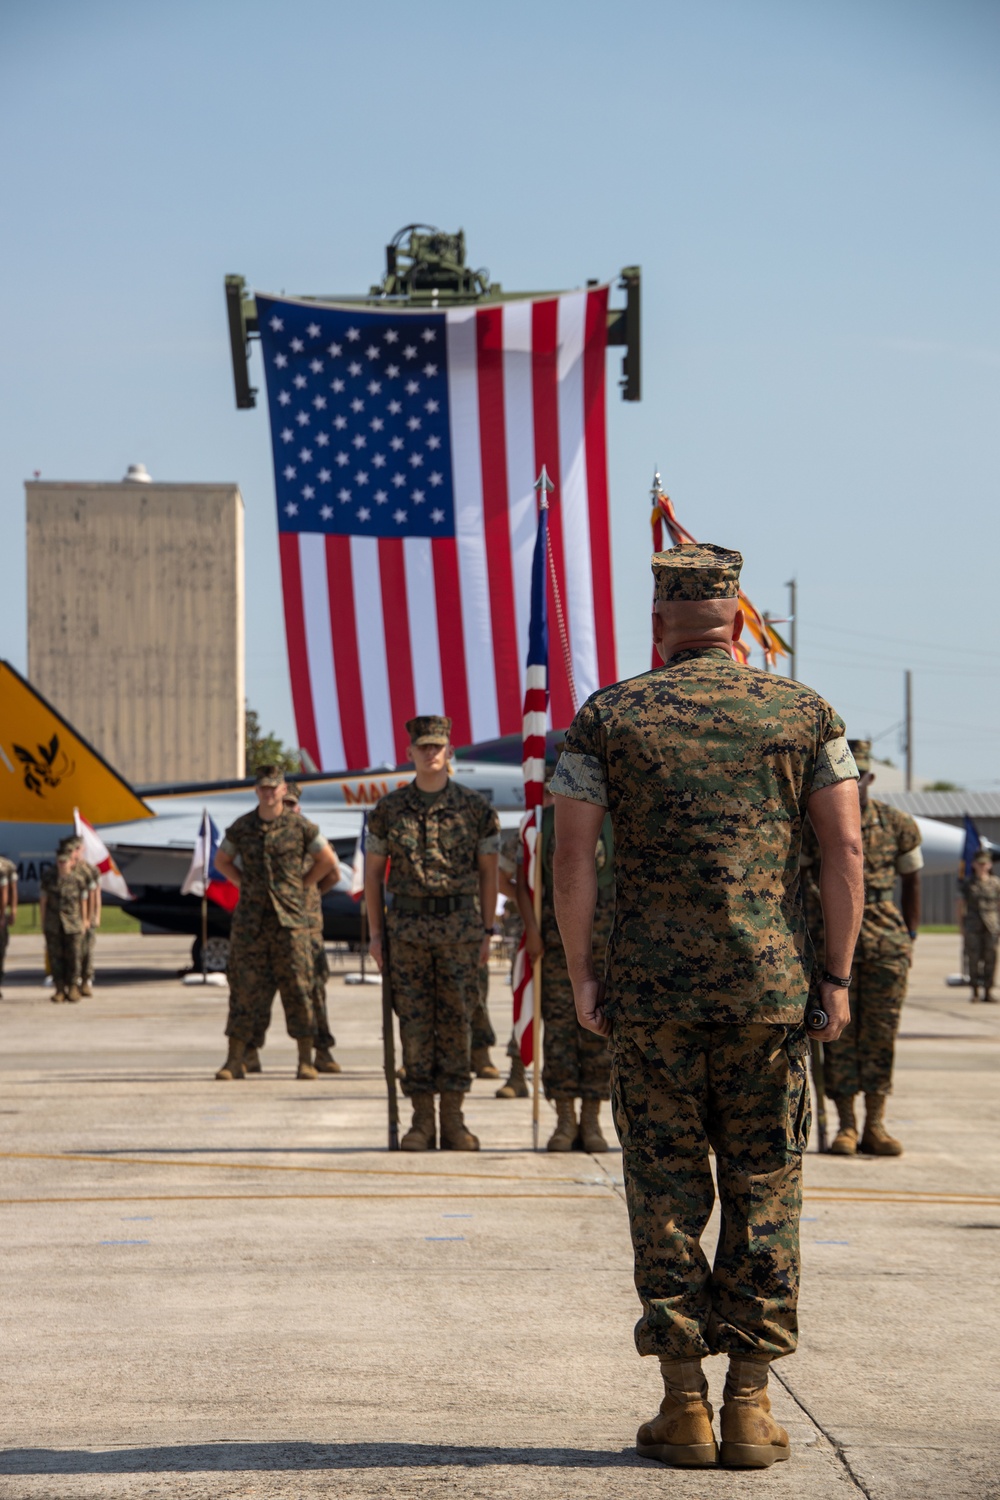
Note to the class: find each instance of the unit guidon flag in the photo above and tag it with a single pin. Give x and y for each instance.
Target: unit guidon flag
(406, 447)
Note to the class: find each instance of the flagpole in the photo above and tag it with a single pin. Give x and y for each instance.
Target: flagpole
(206, 844)
(536, 995)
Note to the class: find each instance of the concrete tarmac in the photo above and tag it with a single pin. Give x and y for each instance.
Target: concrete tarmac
(221, 1290)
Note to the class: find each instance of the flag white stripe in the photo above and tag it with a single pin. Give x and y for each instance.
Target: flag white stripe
(470, 533)
(519, 423)
(573, 495)
(421, 606)
(319, 648)
(371, 625)
(534, 723)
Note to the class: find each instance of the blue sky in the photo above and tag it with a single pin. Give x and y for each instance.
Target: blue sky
(811, 189)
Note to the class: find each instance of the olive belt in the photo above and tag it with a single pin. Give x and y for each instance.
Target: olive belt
(436, 906)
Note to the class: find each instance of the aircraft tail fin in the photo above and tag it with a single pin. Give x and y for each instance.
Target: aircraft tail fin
(47, 768)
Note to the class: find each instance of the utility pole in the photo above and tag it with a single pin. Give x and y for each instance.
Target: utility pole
(793, 620)
(908, 716)
(767, 622)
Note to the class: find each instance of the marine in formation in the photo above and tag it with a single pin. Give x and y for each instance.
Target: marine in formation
(707, 769)
(980, 894)
(862, 1060)
(440, 842)
(8, 908)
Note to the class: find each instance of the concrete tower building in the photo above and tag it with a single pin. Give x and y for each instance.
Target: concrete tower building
(135, 621)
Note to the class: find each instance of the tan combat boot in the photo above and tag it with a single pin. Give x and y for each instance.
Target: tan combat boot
(86, 989)
(57, 997)
(305, 1068)
(233, 1065)
(482, 1064)
(591, 1134)
(251, 1059)
(421, 1134)
(325, 1062)
(845, 1142)
(454, 1134)
(876, 1140)
(682, 1433)
(516, 1086)
(751, 1438)
(73, 993)
(564, 1135)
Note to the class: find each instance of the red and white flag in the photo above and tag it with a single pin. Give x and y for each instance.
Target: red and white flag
(406, 446)
(95, 852)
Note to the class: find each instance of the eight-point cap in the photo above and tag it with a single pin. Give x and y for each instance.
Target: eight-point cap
(696, 570)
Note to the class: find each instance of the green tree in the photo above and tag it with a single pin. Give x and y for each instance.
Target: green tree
(266, 749)
(944, 786)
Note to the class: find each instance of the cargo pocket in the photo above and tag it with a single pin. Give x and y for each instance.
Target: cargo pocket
(799, 1117)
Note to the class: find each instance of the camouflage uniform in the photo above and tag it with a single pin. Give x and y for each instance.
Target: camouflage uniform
(63, 926)
(8, 883)
(860, 1061)
(510, 922)
(91, 879)
(706, 768)
(433, 841)
(321, 973)
(483, 1035)
(272, 945)
(576, 1063)
(981, 926)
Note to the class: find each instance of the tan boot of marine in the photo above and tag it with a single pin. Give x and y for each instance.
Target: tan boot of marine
(876, 1140)
(73, 994)
(482, 1064)
(251, 1060)
(516, 1086)
(57, 997)
(845, 1142)
(325, 1062)
(305, 1068)
(454, 1134)
(751, 1438)
(564, 1135)
(233, 1065)
(681, 1435)
(421, 1134)
(86, 989)
(591, 1134)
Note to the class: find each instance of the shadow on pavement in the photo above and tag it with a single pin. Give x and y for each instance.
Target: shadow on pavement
(236, 1457)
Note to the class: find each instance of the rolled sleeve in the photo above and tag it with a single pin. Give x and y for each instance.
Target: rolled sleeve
(489, 845)
(834, 763)
(316, 844)
(374, 844)
(580, 777)
(910, 862)
(228, 848)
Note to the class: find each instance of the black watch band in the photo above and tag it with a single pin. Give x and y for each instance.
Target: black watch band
(842, 984)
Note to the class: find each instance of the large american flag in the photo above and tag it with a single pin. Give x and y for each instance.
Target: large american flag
(536, 703)
(406, 446)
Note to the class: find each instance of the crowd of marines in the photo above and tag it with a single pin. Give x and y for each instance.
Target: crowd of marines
(712, 862)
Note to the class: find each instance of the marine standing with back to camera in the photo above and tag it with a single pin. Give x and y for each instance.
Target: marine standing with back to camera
(8, 907)
(861, 1061)
(707, 768)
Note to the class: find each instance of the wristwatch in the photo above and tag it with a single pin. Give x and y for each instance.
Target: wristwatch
(913, 934)
(842, 984)
(490, 931)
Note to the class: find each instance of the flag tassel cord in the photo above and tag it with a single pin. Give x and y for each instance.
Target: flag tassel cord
(561, 623)
(536, 995)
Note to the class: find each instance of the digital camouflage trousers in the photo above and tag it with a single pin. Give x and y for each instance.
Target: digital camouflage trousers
(63, 949)
(981, 956)
(678, 1089)
(576, 1063)
(324, 1037)
(434, 963)
(87, 947)
(483, 1034)
(4, 940)
(270, 958)
(860, 1060)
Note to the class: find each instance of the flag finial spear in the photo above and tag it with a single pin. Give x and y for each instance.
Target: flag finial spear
(544, 486)
(657, 485)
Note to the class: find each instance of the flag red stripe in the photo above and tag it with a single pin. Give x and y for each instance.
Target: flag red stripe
(545, 402)
(398, 651)
(451, 640)
(346, 662)
(595, 447)
(496, 519)
(295, 636)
